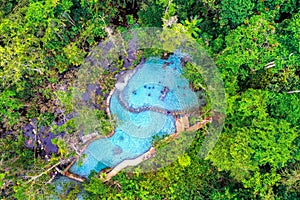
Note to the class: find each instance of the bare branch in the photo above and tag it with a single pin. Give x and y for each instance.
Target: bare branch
(295, 91)
(59, 171)
(75, 149)
(270, 65)
(46, 171)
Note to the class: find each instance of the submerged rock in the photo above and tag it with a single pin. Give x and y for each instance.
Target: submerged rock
(117, 150)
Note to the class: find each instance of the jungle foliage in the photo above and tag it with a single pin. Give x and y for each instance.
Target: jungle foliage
(255, 45)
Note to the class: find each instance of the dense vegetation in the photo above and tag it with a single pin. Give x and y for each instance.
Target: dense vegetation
(255, 45)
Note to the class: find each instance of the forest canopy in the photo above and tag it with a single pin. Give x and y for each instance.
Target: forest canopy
(255, 45)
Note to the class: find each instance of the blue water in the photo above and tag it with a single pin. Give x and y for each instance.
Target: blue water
(63, 185)
(158, 83)
(148, 83)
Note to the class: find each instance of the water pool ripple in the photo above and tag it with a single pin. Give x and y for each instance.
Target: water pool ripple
(144, 106)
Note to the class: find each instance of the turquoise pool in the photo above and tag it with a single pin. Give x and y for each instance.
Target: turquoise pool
(144, 107)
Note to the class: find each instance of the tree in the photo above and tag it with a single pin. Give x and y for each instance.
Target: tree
(254, 145)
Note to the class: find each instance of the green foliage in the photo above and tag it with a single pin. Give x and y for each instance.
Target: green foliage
(279, 7)
(95, 186)
(170, 8)
(6, 7)
(254, 145)
(193, 74)
(285, 106)
(291, 178)
(2, 175)
(290, 33)
(94, 120)
(172, 182)
(68, 190)
(48, 37)
(233, 13)
(17, 163)
(250, 49)
(65, 98)
(74, 54)
(9, 106)
(255, 45)
(184, 11)
(151, 14)
(62, 146)
(262, 184)
(184, 160)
